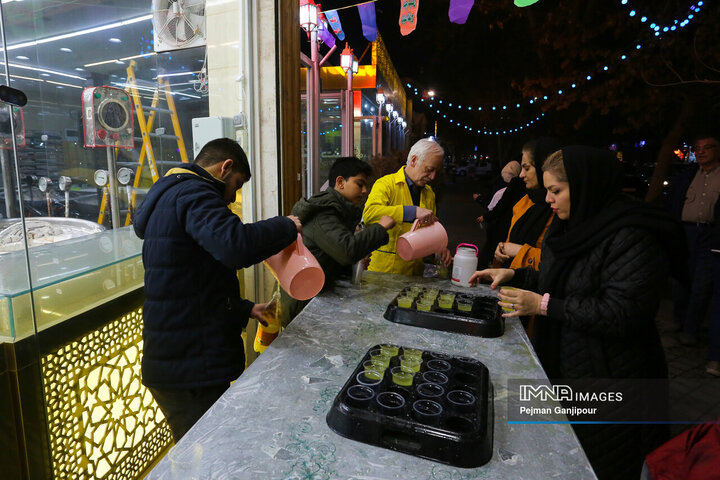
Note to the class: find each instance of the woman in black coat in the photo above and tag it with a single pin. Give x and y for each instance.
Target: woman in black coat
(605, 262)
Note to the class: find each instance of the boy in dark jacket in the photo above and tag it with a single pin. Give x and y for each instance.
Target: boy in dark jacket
(329, 221)
(193, 314)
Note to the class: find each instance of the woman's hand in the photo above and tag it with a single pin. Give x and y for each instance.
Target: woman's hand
(506, 250)
(522, 302)
(257, 311)
(494, 275)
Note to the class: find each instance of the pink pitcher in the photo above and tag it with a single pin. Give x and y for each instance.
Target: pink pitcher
(420, 242)
(297, 270)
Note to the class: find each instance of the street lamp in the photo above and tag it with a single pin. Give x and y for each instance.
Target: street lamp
(309, 22)
(355, 67)
(346, 58)
(308, 15)
(346, 62)
(389, 108)
(380, 97)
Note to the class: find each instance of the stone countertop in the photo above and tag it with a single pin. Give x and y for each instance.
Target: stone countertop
(271, 424)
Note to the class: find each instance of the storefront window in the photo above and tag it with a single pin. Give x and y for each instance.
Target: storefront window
(80, 169)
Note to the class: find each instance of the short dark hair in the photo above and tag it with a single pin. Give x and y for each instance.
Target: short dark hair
(221, 149)
(347, 167)
(706, 134)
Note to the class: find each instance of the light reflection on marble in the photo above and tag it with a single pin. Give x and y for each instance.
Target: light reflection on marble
(271, 424)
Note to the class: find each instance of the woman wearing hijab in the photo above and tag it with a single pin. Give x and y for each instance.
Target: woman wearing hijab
(531, 215)
(604, 266)
(497, 219)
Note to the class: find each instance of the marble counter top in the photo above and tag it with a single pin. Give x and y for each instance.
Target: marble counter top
(271, 424)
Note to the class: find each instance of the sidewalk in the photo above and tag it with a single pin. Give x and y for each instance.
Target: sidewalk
(694, 394)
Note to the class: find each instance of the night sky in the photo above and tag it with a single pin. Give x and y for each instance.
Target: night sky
(505, 56)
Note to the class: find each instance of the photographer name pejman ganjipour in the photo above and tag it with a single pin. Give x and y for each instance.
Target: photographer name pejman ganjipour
(569, 411)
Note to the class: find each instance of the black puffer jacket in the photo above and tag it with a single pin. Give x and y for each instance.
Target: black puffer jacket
(193, 314)
(605, 311)
(329, 223)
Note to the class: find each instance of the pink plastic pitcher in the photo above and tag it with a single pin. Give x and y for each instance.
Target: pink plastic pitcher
(420, 242)
(297, 270)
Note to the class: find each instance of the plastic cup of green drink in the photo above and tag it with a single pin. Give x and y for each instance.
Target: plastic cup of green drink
(389, 350)
(405, 301)
(379, 358)
(464, 304)
(424, 305)
(401, 377)
(411, 363)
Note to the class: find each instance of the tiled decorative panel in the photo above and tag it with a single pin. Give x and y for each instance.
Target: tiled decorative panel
(103, 423)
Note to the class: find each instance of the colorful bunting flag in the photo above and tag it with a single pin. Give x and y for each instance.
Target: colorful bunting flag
(408, 15)
(334, 20)
(459, 10)
(325, 34)
(367, 17)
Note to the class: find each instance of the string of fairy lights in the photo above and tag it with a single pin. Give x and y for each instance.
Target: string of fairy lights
(446, 109)
(657, 28)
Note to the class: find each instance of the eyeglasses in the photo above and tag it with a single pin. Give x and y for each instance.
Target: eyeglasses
(704, 148)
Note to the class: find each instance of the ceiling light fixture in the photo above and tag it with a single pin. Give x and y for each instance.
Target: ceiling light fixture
(178, 74)
(64, 84)
(115, 60)
(80, 33)
(54, 72)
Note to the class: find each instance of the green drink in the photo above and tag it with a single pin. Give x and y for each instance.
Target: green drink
(464, 304)
(410, 363)
(389, 350)
(401, 377)
(405, 301)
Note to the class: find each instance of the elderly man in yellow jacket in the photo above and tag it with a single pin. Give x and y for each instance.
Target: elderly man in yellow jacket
(405, 196)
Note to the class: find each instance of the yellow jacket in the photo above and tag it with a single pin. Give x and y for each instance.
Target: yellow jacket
(388, 196)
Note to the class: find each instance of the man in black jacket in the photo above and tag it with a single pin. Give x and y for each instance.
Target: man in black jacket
(193, 314)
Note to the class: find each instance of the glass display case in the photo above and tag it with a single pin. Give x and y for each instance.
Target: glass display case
(69, 277)
(110, 103)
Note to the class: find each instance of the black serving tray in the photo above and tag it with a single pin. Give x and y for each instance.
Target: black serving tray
(484, 320)
(461, 435)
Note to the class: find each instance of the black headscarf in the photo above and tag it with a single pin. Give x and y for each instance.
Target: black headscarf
(598, 208)
(530, 226)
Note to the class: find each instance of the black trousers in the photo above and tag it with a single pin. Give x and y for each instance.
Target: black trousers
(184, 407)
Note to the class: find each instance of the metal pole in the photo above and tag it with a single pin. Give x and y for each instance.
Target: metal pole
(314, 118)
(67, 203)
(10, 211)
(114, 211)
(380, 132)
(348, 127)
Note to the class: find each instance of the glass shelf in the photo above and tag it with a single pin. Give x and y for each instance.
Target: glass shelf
(68, 278)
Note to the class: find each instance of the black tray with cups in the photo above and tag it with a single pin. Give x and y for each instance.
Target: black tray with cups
(447, 310)
(422, 403)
